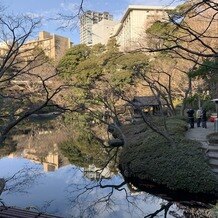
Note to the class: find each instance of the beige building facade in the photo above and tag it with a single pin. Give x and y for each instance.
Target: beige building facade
(53, 46)
(131, 32)
(102, 31)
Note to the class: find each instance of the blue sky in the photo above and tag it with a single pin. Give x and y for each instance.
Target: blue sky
(48, 9)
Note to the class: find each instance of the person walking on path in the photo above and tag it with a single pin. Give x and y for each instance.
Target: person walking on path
(191, 119)
(198, 117)
(204, 118)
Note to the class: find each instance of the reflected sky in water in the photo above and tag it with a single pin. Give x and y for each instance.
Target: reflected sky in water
(68, 193)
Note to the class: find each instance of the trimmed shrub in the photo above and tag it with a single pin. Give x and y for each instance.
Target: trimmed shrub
(177, 126)
(213, 138)
(182, 168)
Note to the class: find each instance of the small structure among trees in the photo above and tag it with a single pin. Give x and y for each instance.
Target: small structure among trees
(151, 105)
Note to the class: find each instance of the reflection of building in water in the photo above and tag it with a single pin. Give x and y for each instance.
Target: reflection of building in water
(50, 162)
(41, 147)
(95, 173)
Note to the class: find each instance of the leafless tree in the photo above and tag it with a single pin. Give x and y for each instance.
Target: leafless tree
(190, 33)
(70, 20)
(105, 201)
(196, 25)
(21, 180)
(164, 208)
(27, 76)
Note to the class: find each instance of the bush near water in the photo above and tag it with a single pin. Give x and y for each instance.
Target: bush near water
(149, 156)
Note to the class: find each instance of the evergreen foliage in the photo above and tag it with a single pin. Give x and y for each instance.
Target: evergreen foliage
(98, 76)
(206, 70)
(213, 138)
(181, 168)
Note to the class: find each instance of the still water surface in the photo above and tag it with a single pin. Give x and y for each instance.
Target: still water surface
(40, 178)
(69, 192)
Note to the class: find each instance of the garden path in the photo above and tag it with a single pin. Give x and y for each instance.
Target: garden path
(211, 150)
(199, 133)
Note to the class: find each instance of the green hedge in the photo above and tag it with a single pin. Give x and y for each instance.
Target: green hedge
(181, 168)
(213, 138)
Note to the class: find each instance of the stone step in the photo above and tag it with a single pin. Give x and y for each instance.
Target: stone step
(204, 144)
(212, 154)
(213, 144)
(213, 162)
(210, 148)
(215, 170)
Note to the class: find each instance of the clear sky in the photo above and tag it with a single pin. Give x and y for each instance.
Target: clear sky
(48, 9)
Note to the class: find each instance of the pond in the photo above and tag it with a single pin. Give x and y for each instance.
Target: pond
(50, 184)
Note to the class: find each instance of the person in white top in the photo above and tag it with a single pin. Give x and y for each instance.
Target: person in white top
(198, 117)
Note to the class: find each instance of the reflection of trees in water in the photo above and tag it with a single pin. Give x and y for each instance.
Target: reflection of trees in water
(106, 201)
(89, 141)
(20, 183)
(21, 180)
(194, 206)
(164, 207)
(85, 152)
(40, 146)
(92, 198)
(188, 212)
(7, 149)
(39, 133)
(97, 195)
(100, 195)
(41, 137)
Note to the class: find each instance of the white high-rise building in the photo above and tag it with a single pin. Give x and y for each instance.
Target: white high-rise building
(87, 21)
(131, 32)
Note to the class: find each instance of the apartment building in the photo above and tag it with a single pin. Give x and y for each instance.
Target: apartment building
(102, 31)
(130, 33)
(54, 46)
(87, 21)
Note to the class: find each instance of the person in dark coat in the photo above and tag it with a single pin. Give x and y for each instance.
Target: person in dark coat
(191, 119)
(204, 118)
